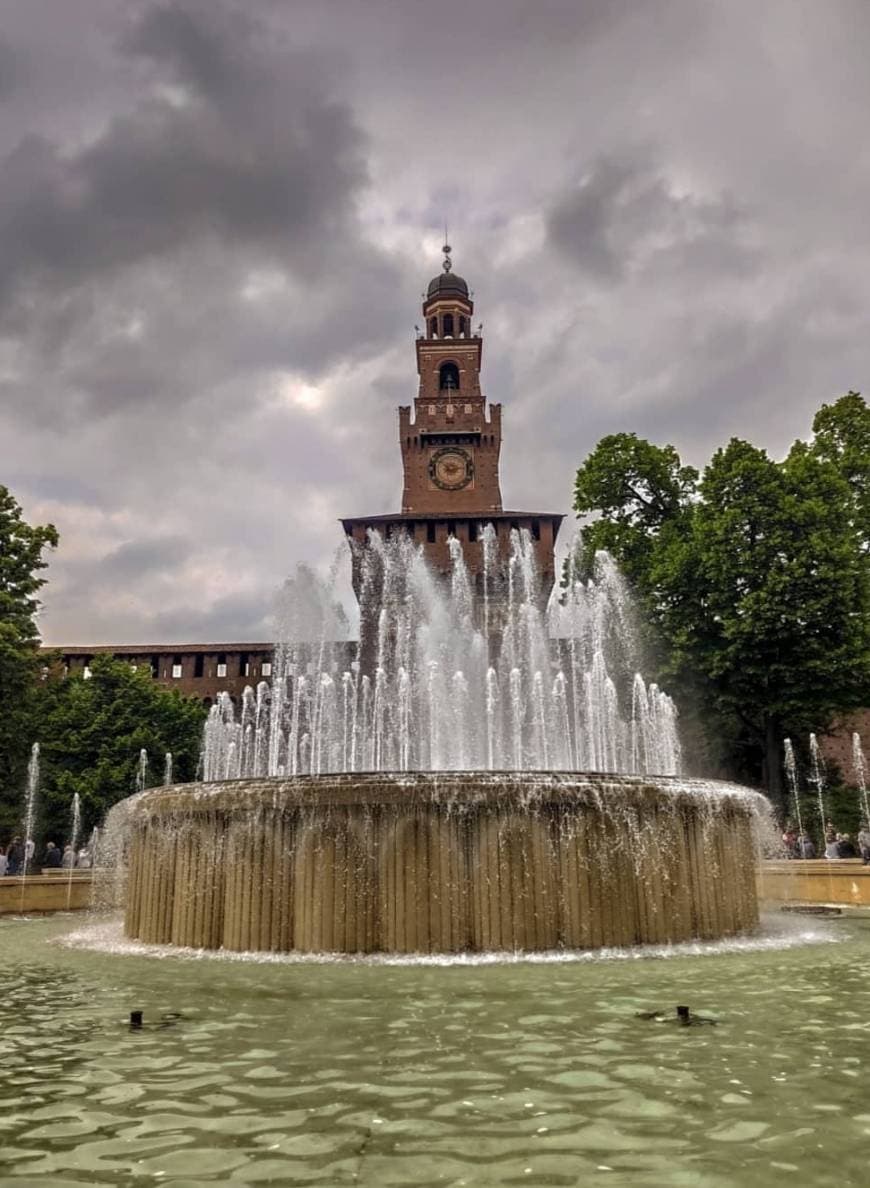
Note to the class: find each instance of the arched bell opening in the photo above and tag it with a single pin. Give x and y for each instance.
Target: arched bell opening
(448, 377)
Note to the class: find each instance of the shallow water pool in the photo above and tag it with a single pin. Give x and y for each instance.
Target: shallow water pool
(509, 1073)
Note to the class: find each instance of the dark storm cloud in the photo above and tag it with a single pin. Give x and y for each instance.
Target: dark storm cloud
(235, 618)
(10, 69)
(247, 152)
(137, 558)
(216, 219)
(623, 216)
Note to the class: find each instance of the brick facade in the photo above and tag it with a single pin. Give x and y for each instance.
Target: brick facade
(196, 670)
(450, 445)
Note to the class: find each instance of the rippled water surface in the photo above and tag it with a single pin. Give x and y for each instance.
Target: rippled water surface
(420, 1075)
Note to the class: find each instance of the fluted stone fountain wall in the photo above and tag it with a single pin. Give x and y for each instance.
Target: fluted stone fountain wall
(441, 862)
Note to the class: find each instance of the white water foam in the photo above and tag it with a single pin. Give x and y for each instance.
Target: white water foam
(777, 933)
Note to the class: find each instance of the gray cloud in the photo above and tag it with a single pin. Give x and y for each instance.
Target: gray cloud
(10, 69)
(623, 217)
(247, 152)
(216, 220)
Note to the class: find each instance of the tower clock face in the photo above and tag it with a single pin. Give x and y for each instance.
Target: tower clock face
(451, 468)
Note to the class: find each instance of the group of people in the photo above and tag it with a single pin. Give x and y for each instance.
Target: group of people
(837, 845)
(18, 858)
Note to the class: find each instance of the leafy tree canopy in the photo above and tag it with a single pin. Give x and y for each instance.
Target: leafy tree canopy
(754, 574)
(842, 436)
(21, 560)
(91, 732)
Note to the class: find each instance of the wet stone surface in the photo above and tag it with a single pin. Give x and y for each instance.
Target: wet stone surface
(512, 1073)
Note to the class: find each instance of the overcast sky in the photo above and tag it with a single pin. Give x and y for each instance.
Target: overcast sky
(216, 221)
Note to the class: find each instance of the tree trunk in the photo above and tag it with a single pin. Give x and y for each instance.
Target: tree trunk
(772, 765)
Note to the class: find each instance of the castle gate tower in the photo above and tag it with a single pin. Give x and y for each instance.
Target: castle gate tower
(450, 444)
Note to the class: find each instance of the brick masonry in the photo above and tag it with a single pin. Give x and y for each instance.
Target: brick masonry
(450, 444)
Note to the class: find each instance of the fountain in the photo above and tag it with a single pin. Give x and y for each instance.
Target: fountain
(30, 794)
(457, 796)
(792, 778)
(75, 829)
(860, 768)
(817, 778)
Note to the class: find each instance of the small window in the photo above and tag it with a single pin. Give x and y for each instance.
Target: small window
(198, 665)
(472, 531)
(430, 532)
(536, 529)
(176, 671)
(431, 410)
(155, 667)
(468, 408)
(244, 665)
(451, 527)
(221, 670)
(266, 669)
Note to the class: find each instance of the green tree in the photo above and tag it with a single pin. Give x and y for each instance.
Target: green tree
(754, 578)
(21, 560)
(639, 490)
(91, 732)
(842, 436)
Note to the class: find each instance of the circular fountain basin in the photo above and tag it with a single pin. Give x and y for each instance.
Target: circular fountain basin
(441, 862)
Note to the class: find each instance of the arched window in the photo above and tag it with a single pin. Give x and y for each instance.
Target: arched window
(447, 324)
(433, 327)
(448, 376)
(463, 326)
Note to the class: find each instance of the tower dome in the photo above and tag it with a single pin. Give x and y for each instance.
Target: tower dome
(447, 283)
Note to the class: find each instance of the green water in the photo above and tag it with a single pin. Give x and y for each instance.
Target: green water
(374, 1075)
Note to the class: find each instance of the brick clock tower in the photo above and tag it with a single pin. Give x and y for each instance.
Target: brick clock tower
(450, 450)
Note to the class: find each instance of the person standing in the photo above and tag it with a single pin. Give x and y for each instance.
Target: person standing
(69, 858)
(53, 857)
(15, 857)
(864, 842)
(845, 849)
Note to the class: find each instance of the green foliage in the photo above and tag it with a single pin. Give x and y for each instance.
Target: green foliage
(755, 576)
(91, 732)
(843, 808)
(842, 437)
(639, 490)
(21, 559)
